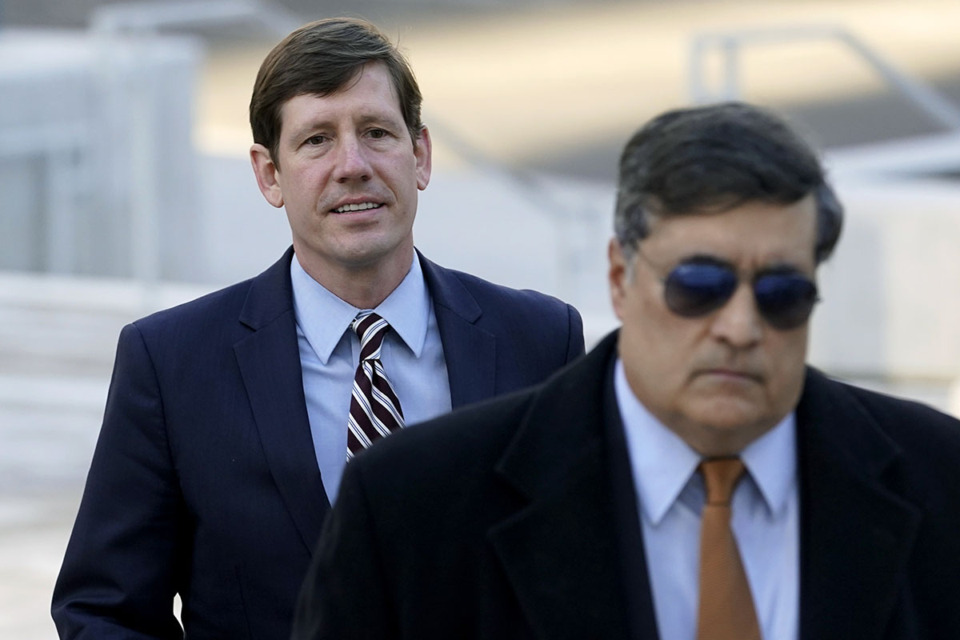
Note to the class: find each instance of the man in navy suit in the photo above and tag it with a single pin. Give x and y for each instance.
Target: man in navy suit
(576, 509)
(225, 429)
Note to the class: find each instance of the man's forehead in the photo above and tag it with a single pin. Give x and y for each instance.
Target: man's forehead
(765, 232)
(311, 110)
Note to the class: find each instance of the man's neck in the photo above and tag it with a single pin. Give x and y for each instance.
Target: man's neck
(364, 287)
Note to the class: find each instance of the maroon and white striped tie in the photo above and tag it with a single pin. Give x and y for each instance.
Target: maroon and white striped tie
(374, 407)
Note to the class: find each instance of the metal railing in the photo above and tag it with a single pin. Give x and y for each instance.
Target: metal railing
(149, 17)
(145, 18)
(728, 45)
(131, 21)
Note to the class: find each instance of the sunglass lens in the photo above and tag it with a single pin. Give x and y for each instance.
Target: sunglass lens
(785, 300)
(694, 289)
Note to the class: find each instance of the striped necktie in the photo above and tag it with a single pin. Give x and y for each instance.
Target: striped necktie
(726, 610)
(374, 407)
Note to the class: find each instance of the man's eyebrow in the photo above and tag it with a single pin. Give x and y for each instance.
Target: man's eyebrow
(377, 117)
(776, 265)
(780, 266)
(705, 258)
(366, 119)
(310, 126)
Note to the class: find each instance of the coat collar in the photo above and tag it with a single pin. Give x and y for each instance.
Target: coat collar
(470, 351)
(579, 526)
(269, 361)
(574, 553)
(856, 533)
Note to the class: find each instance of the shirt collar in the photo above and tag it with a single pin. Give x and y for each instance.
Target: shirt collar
(322, 317)
(663, 464)
(772, 462)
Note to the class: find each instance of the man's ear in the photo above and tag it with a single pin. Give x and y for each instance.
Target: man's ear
(423, 150)
(617, 275)
(266, 172)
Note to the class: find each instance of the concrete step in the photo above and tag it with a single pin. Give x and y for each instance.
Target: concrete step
(56, 325)
(57, 342)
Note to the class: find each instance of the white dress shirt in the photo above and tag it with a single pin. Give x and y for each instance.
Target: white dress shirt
(670, 496)
(412, 357)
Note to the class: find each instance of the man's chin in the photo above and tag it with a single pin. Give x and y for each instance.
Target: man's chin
(731, 423)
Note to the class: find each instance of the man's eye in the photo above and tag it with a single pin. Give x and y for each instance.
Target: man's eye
(377, 133)
(314, 140)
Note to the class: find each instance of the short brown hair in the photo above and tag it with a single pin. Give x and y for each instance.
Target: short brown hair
(320, 58)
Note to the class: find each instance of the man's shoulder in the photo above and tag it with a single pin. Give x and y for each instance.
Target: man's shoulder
(485, 291)
(452, 447)
(528, 322)
(562, 410)
(463, 423)
(229, 296)
(271, 288)
(910, 425)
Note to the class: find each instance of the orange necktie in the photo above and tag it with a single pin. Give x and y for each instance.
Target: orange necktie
(726, 606)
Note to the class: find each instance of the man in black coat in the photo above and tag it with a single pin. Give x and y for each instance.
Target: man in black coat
(574, 509)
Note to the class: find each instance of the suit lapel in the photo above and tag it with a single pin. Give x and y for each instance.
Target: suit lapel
(633, 559)
(269, 362)
(469, 351)
(856, 535)
(561, 551)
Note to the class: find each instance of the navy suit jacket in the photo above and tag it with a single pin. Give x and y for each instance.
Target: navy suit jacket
(204, 482)
(517, 519)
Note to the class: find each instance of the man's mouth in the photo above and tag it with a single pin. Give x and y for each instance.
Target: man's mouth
(361, 206)
(731, 373)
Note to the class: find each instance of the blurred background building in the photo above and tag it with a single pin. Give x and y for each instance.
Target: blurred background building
(125, 185)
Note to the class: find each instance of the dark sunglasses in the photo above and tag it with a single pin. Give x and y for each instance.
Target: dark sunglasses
(785, 298)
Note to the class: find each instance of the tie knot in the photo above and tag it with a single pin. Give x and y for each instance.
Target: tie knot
(721, 476)
(371, 329)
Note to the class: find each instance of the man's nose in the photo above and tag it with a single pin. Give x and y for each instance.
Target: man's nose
(352, 162)
(739, 322)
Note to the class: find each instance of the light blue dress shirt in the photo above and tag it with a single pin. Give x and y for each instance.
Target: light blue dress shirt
(670, 495)
(412, 357)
